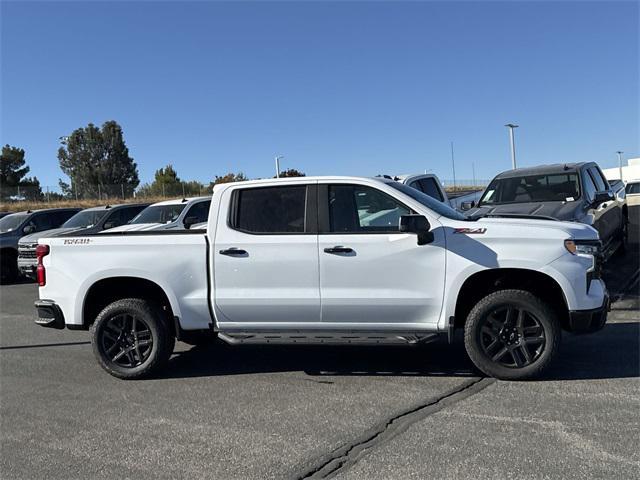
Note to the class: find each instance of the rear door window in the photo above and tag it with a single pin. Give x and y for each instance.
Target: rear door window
(270, 210)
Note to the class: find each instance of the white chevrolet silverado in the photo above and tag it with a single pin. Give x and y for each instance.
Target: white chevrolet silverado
(328, 260)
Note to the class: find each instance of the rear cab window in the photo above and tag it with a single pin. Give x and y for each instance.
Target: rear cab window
(270, 210)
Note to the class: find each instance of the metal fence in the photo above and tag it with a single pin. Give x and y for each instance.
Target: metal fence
(90, 195)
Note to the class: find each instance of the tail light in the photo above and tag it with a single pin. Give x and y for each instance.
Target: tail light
(41, 252)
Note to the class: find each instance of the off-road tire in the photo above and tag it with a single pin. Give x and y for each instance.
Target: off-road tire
(538, 311)
(162, 337)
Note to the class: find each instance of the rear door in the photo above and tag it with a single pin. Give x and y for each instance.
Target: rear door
(371, 273)
(266, 256)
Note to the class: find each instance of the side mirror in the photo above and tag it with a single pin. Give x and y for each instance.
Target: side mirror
(189, 221)
(108, 225)
(419, 225)
(601, 197)
(28, 229)
(467, 205)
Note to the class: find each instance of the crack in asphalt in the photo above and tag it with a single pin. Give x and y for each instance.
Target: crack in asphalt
(346, 456)
(43, 345)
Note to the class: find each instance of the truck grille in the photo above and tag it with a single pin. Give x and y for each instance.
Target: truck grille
(27, 251)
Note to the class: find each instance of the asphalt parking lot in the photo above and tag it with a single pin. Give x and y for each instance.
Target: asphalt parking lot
(345, 412)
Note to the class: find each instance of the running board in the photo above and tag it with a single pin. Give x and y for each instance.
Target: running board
(327, 338)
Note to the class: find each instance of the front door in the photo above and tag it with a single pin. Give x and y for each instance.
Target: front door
(371, 273)
(266, 257)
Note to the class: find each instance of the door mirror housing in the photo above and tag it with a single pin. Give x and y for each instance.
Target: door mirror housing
(108, 225)
(189, 221)
(467, 205)
(28, 229)
(601, 197)
(419, 225)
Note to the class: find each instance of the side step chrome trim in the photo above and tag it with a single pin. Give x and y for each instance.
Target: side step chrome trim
(327, 338)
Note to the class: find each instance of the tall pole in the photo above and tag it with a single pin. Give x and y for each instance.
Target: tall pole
(453, 166)
(620, 162)
(473, 169)
(278, 165)
(511, 126)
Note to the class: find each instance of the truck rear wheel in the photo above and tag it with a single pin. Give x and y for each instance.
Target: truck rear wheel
(512, 335)
(131, 338)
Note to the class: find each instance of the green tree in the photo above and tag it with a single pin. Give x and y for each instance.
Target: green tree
(13, 180)
(166, 183)
(228, 178)
(291, 172)
(97, 161)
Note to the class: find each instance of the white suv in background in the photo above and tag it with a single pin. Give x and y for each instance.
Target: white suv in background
(169, 215)
(633, 193)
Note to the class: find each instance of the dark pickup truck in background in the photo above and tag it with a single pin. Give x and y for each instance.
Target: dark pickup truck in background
(576, 192)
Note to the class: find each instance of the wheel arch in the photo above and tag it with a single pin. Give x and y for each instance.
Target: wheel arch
(484, 282)
(107, 290)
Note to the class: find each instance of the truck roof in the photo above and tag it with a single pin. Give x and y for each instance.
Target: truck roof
(178, 201)
(305, 179)
(544, 169)
(105, 207)
(38, 210)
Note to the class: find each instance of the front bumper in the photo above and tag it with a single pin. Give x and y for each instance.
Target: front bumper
(589, 321)
(49, 314)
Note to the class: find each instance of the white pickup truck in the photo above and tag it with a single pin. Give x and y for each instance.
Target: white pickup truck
(327, 260)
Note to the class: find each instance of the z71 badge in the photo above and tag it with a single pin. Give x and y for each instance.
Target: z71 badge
(470, 231)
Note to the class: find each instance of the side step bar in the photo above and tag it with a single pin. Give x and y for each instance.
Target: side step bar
(327, 338)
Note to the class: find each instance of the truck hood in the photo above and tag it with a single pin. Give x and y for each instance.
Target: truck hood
(33, 237)
(136, 227)
(557, 210)
(575, 230)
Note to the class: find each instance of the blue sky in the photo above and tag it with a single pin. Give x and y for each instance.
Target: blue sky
(336, 87)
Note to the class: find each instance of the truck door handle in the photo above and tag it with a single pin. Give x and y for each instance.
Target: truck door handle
(233, 252)
(338, 249)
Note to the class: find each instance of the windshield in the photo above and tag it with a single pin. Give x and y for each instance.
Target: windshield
(431, 203)
(84, 219)
(561, 187)
(159, 214)
(12, 222)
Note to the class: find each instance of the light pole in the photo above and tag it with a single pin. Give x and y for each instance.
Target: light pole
(511, 126)
(453, 166)
(620, 162)
(278, 165)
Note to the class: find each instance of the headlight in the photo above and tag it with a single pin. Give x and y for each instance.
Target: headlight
(583, 247)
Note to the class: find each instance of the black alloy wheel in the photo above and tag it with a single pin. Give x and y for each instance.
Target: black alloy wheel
(512, 336)
(127, 340)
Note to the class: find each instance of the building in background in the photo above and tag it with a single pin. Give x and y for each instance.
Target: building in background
(631, 171)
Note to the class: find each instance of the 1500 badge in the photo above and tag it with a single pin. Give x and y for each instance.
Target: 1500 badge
(76, 241)
(470, 231)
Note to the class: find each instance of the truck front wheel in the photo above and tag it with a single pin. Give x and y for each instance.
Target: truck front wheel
(512, 335)
(131, 339)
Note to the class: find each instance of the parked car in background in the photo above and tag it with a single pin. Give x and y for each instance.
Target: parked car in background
(430, 184)
(633, 193)
(16, 225)
(576, 192)
(169, 215)
(87, 221)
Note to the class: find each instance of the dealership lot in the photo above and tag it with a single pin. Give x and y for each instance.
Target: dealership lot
(274, 412)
